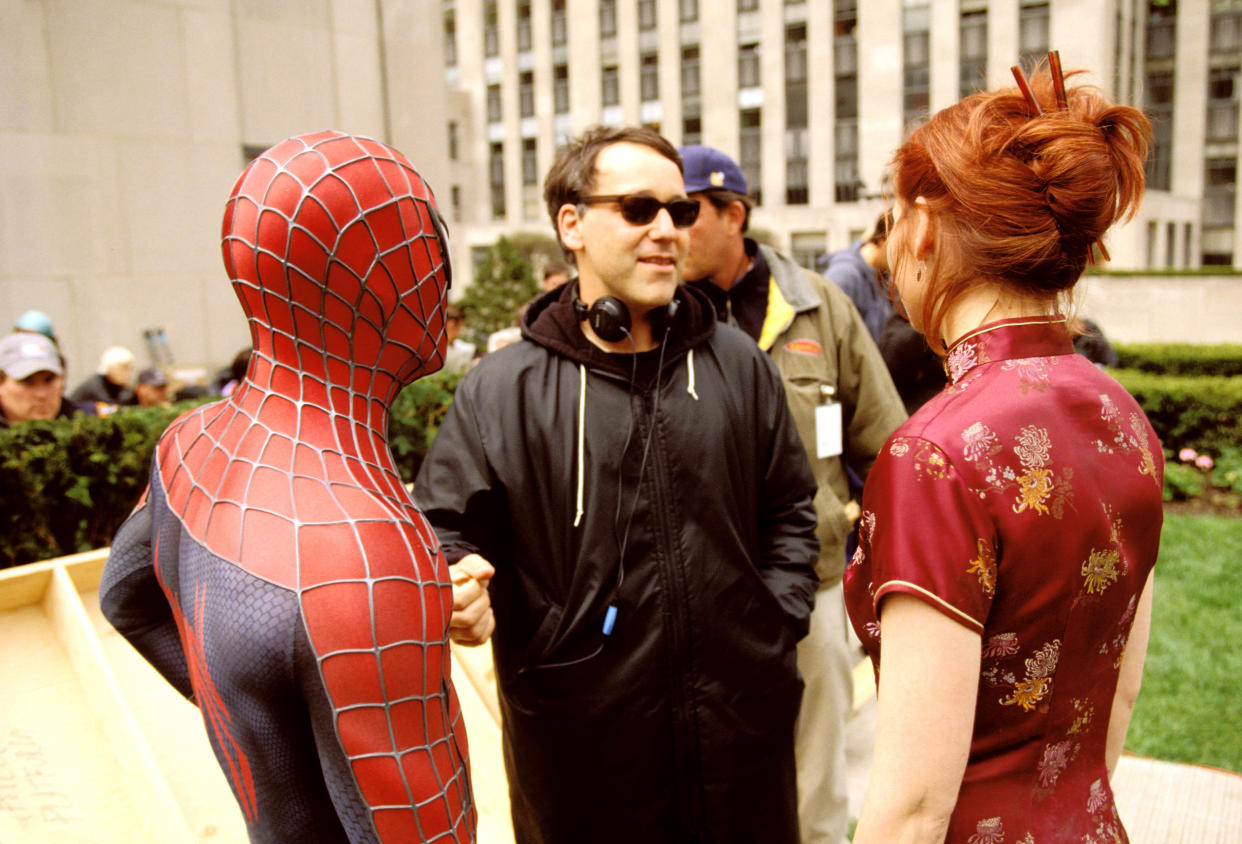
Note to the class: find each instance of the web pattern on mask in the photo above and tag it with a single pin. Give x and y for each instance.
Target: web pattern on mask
(338, 255)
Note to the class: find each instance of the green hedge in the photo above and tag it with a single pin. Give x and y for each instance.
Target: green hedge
(68, 484)
(1180, 358)
(1203, 412)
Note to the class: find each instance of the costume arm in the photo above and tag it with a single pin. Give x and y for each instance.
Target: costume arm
(929, 677)
(789, 545)
(134, 603)
(1130, 678)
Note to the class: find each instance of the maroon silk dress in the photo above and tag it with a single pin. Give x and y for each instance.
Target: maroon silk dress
(1023, 502)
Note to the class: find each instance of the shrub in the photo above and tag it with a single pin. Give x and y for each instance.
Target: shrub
(68, 484)
(1197, 411)
(1180, 358)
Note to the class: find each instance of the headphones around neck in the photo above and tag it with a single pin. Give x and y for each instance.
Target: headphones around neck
(609, 317)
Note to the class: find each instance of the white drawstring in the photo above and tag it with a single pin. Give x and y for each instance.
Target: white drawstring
(690, 383)
(581, 436)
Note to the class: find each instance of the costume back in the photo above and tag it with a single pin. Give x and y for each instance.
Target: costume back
(278, 572)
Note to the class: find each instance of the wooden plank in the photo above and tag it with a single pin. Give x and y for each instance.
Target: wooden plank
(476, 691)
(160, 817)
(23, 586)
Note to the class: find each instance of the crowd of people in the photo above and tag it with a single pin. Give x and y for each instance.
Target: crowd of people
(667, 495)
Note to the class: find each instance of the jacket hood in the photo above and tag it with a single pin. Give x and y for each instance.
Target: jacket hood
(550, 321)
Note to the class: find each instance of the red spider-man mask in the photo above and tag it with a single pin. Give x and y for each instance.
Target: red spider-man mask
(340, 258)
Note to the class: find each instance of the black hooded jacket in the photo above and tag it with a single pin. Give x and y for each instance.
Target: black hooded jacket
(665, 497)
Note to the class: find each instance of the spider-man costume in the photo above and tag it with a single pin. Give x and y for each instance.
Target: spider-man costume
(277, 571)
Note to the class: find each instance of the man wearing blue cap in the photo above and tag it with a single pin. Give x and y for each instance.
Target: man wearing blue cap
(845, 407)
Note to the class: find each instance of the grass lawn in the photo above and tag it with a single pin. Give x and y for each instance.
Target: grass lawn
(1190, 707)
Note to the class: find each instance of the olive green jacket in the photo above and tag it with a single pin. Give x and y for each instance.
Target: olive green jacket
(824, 353)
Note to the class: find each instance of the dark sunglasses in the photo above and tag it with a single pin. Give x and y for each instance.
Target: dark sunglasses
(639, 209)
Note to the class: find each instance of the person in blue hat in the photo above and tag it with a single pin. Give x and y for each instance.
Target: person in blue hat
(36, 322)
(844, 405)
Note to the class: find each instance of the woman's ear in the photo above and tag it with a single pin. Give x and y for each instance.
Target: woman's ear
(925, 230)
(569, 226)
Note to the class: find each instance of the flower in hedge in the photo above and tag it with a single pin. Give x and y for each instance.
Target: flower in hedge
(1204, 461)
(1187, 455)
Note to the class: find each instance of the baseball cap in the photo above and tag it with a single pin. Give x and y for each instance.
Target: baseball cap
(36, 322)
(707, 168)
(23, 354)
(152, 377)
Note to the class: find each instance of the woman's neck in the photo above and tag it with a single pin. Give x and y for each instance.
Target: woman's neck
(990, 303)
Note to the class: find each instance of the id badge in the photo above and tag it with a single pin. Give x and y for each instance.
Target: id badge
(828, 441)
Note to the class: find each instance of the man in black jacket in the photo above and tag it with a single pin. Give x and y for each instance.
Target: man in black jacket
(626, 490)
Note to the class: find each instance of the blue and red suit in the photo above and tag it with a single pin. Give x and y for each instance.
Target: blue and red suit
(277, 572)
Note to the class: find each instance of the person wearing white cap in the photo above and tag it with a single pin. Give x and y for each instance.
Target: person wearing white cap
(31, 379)
(110, 384)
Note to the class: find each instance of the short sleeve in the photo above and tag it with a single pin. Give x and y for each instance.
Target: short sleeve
(928, 533)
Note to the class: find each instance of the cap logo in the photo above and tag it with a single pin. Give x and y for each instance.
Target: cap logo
(32, 350)
(717, 178)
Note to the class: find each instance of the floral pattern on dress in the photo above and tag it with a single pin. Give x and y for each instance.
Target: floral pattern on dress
(1105, 565)
(983, 566)
(1126, 441)
(961, 359)
(1039, 490)
(1033, 373)
(1028, 692)
(1086, 714)
(1000, 645)
(929, 461)
(1056, 758)
(988, 831)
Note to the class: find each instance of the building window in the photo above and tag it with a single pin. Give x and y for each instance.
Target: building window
(692, 130)
(750, 151)
(1161, 30)
(649, 77)
(973, 58)
(1158, 103)
(1220, 189)
(806, 247)
(1033, 31)
(523, 26)
(455, 201)
(452, 140)
(1226, 28)
(607, 18)
(646, 14)
(496, 179)
(748, 66)
(1222, 106)
(748, 5)
(530, 162)
(848, 186)
(450, 36)
(690, 72)
(797, 155)
(916, 63)
(558, 23)
(846, 183)
(688, 10)
(610, 88)
(526, 93)
(560, 89)
(491, 29)
(494, 114)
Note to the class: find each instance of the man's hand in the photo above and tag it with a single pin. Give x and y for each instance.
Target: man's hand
(472, 622)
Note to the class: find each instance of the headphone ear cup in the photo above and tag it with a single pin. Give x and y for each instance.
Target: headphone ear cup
(609, 318)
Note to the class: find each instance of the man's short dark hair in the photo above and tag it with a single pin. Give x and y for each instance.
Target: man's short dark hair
(883, 226)
(555, 268)
(722, 199)
(572, 175)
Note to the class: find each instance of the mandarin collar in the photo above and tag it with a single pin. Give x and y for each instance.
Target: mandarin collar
(1022, 337)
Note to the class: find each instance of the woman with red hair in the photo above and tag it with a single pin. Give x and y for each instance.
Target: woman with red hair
(1010, 527)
